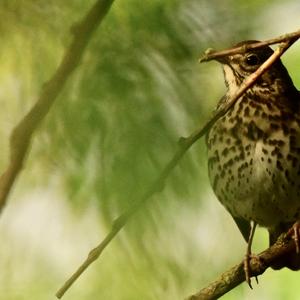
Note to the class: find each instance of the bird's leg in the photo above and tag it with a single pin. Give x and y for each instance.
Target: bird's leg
(248, 256)
(295, 232)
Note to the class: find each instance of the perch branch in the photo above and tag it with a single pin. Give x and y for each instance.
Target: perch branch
(285, 245)
(183, 145)
(210, 54)
(21, 135)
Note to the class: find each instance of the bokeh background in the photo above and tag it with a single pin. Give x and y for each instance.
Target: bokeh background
(115, 125)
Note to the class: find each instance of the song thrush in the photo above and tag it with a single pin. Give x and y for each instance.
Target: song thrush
(254, 149)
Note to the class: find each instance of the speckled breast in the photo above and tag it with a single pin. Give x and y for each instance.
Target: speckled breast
(253, 160)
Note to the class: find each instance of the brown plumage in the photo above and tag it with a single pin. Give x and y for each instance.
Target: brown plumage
(254, 149)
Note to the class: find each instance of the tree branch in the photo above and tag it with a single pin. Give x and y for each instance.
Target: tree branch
(158, 184)
(21, 135)
(210, 54)
(285, 245)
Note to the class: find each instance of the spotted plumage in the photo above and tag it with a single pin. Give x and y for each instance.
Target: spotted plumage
(254, 149)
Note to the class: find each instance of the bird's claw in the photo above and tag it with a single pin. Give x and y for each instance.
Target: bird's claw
(247, 268)
(295, 233)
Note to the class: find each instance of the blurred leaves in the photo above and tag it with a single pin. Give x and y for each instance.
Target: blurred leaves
(117, 122)
(138, 90)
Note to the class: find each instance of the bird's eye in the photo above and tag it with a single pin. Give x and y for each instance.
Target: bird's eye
(252, 60)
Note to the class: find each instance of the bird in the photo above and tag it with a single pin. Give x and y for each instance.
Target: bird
(254, 150)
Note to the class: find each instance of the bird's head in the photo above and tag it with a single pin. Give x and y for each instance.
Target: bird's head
(238, 67)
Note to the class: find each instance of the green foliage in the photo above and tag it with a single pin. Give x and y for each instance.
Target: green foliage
(117, 123)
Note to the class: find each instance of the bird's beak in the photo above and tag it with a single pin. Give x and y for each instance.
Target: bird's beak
(224, 60)
(209, 54)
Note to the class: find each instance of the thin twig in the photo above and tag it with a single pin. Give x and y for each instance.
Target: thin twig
(210, 54)
(184, 144)
(21, 135)
(284, 246)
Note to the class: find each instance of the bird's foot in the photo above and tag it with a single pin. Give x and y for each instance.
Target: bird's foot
(295, 233)
(247, 267)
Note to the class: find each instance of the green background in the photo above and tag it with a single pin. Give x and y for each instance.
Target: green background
(113, 128)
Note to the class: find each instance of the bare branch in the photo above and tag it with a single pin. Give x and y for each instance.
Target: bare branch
(285, 245)
(210, 54)
(21, 135)
(184, 144)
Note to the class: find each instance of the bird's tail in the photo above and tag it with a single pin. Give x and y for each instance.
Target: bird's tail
(292, 260)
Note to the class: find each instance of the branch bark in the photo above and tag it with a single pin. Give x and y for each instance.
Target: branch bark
(285, 245)
(22, 134)
(158, 184)
(210, 54)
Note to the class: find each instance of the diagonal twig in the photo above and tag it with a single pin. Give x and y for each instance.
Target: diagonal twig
(21, 135)
(210, 54)
(158, 184)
